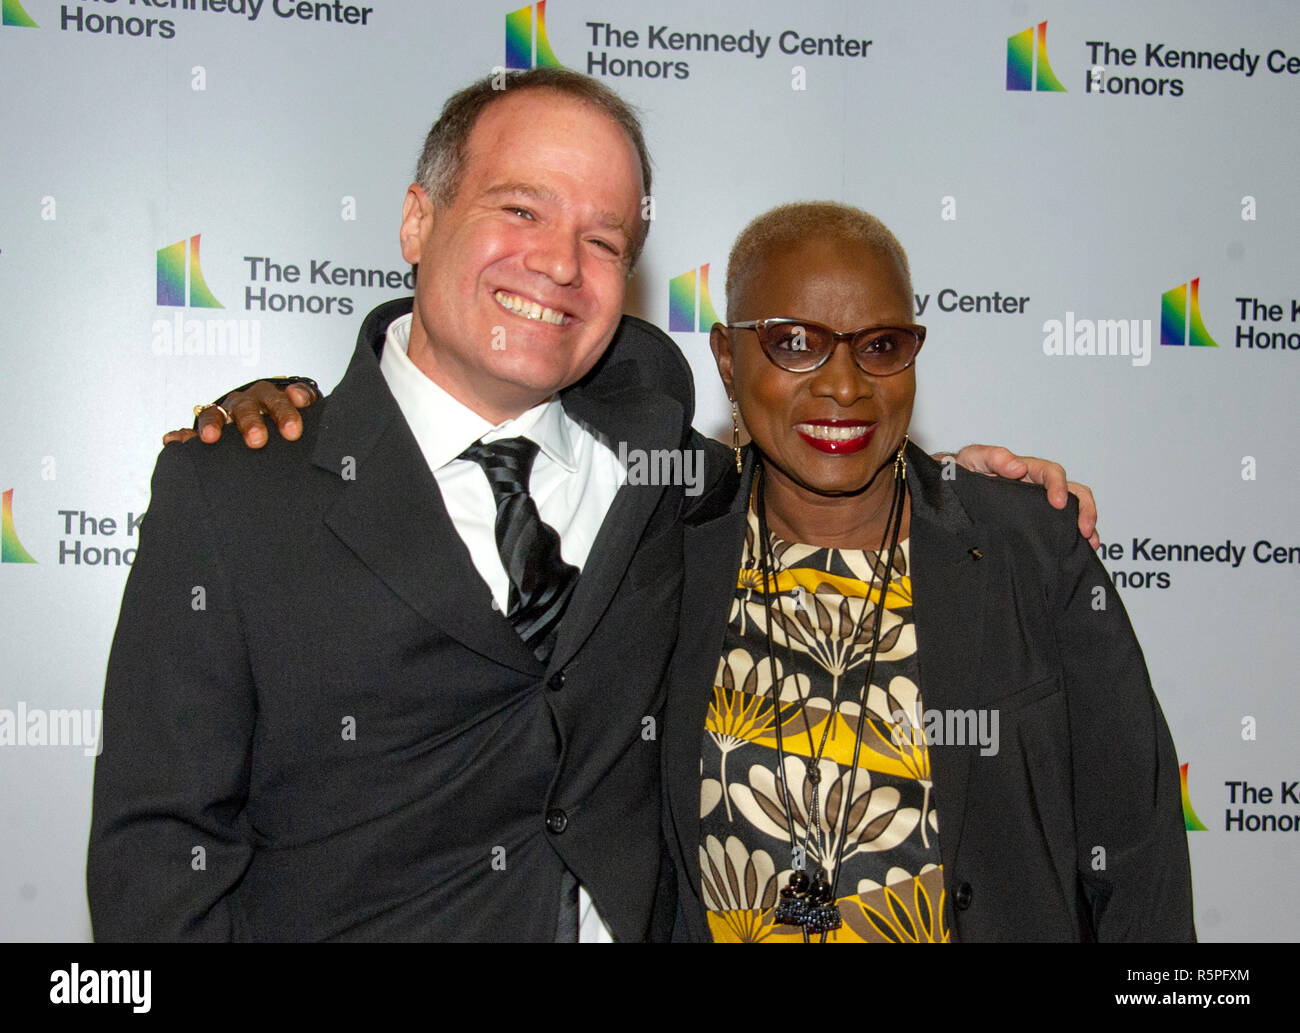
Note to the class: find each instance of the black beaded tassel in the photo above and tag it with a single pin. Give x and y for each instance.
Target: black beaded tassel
(822, 915)
(808, 905)
(793, 908)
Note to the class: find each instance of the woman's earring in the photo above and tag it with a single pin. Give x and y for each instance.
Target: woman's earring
(735, 434)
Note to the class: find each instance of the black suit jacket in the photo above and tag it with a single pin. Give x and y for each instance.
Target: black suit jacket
(316, 726)
(1085, 760)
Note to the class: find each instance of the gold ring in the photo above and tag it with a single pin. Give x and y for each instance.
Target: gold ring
(200, 409)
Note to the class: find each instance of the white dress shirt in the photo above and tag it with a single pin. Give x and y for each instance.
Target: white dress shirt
(574, 480)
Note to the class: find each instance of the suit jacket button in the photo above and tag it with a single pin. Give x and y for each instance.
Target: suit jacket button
(961, 899)
(556, 681)
(556, 821)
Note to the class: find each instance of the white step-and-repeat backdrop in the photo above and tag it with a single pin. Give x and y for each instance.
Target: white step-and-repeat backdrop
(1099, 200)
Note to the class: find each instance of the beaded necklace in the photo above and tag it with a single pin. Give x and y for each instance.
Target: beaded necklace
(807, 903)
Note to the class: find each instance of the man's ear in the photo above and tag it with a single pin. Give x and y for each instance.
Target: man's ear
(720, 345)
(417, 222)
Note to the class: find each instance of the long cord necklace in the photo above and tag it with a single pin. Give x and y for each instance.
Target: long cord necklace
(810, 904)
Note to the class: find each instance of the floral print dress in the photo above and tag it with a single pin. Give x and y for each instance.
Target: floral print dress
(886, 839)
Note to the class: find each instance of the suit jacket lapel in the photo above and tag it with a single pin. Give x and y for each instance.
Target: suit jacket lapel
(949, 587)
(390, 513)
(623, 412)
(712, 549)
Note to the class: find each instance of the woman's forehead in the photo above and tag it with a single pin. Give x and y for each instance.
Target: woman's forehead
(831, 277)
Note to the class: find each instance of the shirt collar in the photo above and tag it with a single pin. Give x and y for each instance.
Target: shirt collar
(444, 427)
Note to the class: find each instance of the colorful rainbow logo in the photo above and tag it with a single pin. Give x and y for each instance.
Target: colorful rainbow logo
(11, 549)
(1180, 317)
(1190, 821)
(682, 296)
(520, 38)
(1027, 65)
(172, 268)
(12, 13)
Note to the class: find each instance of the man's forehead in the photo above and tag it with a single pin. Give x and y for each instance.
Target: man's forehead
(524, 108)
(500, 134)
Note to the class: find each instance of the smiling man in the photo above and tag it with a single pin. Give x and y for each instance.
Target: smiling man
(345, 707)
(529, 251)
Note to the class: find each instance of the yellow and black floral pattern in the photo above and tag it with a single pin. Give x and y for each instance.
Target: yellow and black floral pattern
(885, 839)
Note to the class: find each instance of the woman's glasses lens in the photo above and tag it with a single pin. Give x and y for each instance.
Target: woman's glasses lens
(801, 347)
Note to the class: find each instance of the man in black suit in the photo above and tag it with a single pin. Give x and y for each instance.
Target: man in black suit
(332, 712)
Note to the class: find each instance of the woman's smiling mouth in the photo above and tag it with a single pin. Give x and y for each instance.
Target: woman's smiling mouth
(835, 436)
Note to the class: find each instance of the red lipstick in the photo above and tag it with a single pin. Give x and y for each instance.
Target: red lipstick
(856, 436)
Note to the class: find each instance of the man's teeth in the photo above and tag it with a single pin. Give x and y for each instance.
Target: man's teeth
(528, 309)
(825, 433)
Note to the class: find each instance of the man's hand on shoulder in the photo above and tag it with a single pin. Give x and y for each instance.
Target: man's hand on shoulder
(996, 461)
(245, 408)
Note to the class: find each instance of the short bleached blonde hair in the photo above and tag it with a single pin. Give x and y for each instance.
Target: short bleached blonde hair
(792, 224)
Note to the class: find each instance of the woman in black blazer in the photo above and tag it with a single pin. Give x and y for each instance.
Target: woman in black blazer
(907, 704)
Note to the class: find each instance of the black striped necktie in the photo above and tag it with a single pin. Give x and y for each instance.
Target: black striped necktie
(540, 581)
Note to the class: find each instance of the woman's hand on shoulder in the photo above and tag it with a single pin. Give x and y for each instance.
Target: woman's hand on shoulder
(245, 408)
